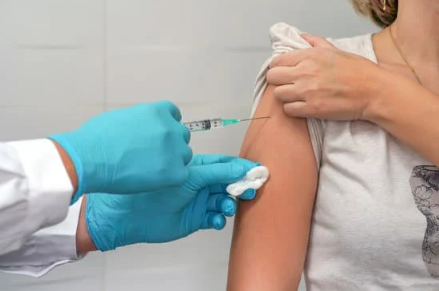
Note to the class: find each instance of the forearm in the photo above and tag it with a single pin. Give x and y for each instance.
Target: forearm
(409, 112)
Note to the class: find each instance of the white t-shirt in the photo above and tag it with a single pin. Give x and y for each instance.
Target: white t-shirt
(376, 218)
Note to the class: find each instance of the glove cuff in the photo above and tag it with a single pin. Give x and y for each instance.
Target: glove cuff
(63, 141)
(93, 225)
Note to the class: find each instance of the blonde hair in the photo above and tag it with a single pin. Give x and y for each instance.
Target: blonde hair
(374, 9)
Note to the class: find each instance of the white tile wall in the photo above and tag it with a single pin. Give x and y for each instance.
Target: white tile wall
(64, 61)
(26, 122)
(51, 52)
(75, 23)
(55, 76)
(139, 74)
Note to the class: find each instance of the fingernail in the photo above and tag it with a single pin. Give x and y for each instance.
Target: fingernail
(248, 194)
(228, 206)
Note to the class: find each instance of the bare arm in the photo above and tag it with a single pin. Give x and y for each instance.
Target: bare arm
(271, 233)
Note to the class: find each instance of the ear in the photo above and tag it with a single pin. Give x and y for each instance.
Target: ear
(317, 41)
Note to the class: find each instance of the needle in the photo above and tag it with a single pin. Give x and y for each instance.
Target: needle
(248, 119)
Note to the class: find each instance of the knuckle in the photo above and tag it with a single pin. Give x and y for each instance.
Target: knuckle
(313, 87)
(177, 128)
(319, 105)
(166, 108)
(167, 134)
(290, 110)
(143, 109)
(271, 75)
(308, 68)
(321, 51)
(165, 104)
(190, 154)
(162, 170)
(314, 69)
(166, 162)
(313, 54)
(186, 134)
(288, 59)
(180, 128)
(301, 89)
(153, 111)
(277, 92)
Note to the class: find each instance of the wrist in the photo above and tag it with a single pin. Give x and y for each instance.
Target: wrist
(377, 94)
(84, 242)
(68, 165)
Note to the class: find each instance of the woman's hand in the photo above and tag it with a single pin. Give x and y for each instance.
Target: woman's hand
(324, 82)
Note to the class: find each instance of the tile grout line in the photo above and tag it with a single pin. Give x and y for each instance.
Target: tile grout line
(105, 108)
(104, 56)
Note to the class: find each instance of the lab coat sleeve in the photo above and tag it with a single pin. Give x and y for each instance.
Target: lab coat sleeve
(46, 249)
(35, 191)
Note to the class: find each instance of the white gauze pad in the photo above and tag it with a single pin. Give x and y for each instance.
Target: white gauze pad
(254, 179)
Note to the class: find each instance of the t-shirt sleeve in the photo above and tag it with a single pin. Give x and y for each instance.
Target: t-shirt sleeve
(285, 38)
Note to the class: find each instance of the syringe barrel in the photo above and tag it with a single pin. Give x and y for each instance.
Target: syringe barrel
(202, 125)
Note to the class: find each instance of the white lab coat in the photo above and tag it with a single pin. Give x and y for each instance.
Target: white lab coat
(37, 226)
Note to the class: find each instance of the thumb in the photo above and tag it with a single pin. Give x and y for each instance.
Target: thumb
(317, 41)
(222, 173)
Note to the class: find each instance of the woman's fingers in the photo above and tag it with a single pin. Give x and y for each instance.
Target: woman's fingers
(297, 109)
(290, 59)
(288, 93)
(317, 41)
(282, 75)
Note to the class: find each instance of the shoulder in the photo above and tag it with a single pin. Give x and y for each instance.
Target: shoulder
(285, 37)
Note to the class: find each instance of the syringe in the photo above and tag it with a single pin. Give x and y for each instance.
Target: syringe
(208, 124)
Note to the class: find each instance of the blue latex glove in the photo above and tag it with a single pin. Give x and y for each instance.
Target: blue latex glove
(166, 215)
(132, 150)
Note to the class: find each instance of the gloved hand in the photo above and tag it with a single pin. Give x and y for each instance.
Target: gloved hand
(165, 215)
(136, 149)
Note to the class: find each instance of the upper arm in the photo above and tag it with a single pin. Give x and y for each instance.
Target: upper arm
(271, 233)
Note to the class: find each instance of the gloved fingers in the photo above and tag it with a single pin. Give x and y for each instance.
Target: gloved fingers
(171, 108)
(221, 203)
(248, 194)
(218, 188)
(214, 220)
(199, 160)
(186, 134)
(223, 173)
(187, 155)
